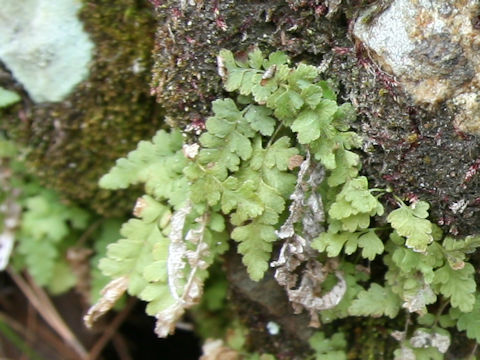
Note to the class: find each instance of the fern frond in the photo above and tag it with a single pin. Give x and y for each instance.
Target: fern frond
(158, 164)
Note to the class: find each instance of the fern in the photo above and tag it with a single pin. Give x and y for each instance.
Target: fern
(328, 349)
(142, 247)
(235, 173)
(157, 164)
(47, 227)
(108, 233)
(235, 183)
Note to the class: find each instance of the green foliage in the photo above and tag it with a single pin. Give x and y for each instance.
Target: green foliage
(411, 222)
(235, 183)
(141, 255)
(158, 164)
(458, 285)
(8, 97)
(470, 321)
(377, 301)
(107, 234)
(350, 215)
(47, 228)
(328, 349)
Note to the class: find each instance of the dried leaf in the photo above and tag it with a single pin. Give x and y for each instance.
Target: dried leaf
(424, 339)
(176, 252)
(191, 151)
(166, 319)
(140, 205)
(306, 207)
(417, 302)
(11, 216)
(305, 295)
(110, 294)
(186, 289)
(216, 350)
(309, 210)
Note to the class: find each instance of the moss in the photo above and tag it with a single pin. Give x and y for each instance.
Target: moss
(188, 40)
(73, 143)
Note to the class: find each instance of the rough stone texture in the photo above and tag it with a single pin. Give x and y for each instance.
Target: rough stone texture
(185, 78)
(44, 45)
(419, 148)
(431, 46)
(74, 142)
(263, 302)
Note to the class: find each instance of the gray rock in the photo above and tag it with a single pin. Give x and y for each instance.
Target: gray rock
(431, 47)
(43, 44)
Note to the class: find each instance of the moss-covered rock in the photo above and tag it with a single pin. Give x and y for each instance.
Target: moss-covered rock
(416, 151)
(74, 142)
(188, 40)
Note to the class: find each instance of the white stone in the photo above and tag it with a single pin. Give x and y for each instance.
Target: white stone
(44, 45)
(431, 47)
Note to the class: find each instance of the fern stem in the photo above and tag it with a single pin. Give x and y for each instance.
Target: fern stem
(274, 135)
(439, 312)
(40, 300)
(193, 272)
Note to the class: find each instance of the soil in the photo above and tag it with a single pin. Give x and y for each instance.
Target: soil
(24, 335)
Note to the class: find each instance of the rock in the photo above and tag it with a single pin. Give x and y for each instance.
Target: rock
(431, 47)
(75, 141)
(43, 44)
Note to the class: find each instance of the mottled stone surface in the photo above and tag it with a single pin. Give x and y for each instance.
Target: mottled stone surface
(431, 47)
(44, 45)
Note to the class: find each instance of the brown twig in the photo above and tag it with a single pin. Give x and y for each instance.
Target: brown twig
(87, 233)
(110, 331)
(40, 300)
(31, 327)
(121, 347)
(46, 336)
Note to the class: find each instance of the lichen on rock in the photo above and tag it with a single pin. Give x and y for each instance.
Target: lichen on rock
(44, 45)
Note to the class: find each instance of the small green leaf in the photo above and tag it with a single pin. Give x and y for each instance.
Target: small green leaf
(303, 73)
(263, 91)
(242, 197)
(255, 246)
(260, 119)
(376, 302)
(255, 58)
(371, 245)
(310, 124)
(8, 97)
(410, 222)
(470, 322)
(287, 105)
(328, 349)
(458, 285)
(312, 95)
(328, 92)
(333, 243)
(347, 166)
(276, 58)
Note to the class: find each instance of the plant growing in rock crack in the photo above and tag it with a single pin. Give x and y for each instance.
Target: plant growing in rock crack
(277, 165)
